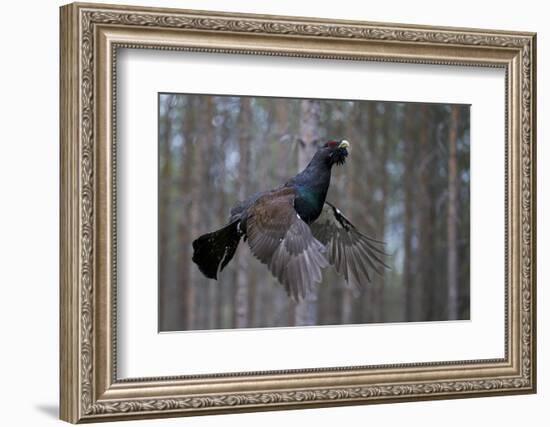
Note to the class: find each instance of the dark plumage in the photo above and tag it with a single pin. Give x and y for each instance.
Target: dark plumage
(295, 232)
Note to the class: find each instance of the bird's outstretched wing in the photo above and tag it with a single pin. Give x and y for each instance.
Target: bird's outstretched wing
(279, 238)
(353, 254)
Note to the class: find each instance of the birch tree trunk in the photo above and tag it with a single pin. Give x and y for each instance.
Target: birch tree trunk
(452, 217)
(305, 313)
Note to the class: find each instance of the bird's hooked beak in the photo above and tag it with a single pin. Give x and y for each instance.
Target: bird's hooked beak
(338, 156)
(344, 144)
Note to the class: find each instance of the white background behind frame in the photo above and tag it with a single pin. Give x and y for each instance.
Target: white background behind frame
(142, 352)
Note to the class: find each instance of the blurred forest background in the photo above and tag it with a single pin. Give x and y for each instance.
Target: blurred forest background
(406, 181)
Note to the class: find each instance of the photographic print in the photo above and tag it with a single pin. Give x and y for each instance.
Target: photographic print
(277, 212)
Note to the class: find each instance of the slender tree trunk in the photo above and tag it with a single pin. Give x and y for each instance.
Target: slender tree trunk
(369, 158)
(284, 151)
(252, 295)
(195, 168)
(185, 237)
(452, 216)
(281, 114)
(222, 215)
(426, 249)
(348, 188)
(358, 193)
(306, 312)
(168, 289)
(208, 145)
(379, 285)
(242, 285)
(408, 280)
(346, 306)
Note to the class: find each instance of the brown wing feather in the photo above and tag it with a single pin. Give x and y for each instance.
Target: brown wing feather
(353, 254)
(281, 240)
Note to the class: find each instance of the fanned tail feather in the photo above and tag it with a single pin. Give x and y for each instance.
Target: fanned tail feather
(212, 251)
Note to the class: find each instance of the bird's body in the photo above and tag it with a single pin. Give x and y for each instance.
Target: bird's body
(310, 197)
(294, 231)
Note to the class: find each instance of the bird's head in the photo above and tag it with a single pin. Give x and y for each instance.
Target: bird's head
(335, 152)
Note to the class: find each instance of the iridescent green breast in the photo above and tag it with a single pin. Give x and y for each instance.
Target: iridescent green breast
(309, 202)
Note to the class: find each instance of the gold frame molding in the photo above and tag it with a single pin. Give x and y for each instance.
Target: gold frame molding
(90, 37)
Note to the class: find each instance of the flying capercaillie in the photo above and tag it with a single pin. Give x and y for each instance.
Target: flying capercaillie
(295, 232)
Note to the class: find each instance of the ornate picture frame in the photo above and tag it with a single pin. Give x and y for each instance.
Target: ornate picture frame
(90, 37)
